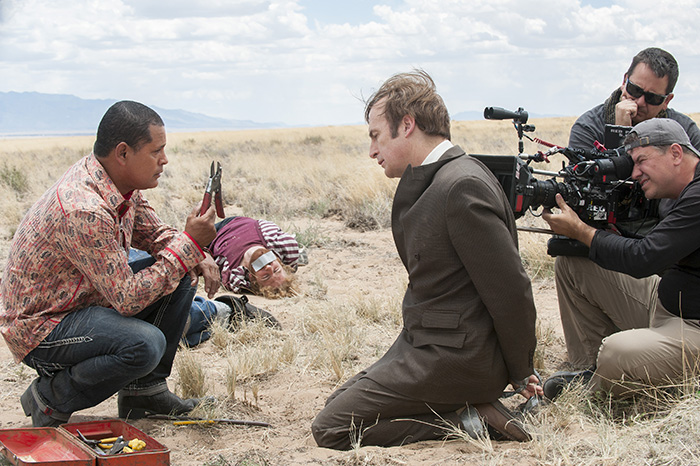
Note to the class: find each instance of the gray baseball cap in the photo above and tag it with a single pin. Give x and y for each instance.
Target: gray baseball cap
(660, 132)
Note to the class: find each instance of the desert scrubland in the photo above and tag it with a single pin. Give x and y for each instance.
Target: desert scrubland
(320, 184)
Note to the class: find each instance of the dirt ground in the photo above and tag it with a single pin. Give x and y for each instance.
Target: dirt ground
(289, 399)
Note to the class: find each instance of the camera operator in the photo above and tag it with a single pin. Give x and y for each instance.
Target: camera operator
(661, 313)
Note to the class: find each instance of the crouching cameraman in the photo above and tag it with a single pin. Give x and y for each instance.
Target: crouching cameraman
(644, 327)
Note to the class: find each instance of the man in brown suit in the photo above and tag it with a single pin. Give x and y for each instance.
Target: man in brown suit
(468, 311)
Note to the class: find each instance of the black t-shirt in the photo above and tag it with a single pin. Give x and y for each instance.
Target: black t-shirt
(672, 248)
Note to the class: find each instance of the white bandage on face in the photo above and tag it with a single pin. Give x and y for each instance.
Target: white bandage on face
(263, 260)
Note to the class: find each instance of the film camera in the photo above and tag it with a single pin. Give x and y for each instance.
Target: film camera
(595, 183)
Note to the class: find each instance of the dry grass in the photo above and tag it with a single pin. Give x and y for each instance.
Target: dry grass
(296, 177)
(339, 333)
(192, 378)
(657, 426)
(546, 340)
(278, 175)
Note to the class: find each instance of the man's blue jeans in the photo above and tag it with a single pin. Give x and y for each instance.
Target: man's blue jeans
(95, 352)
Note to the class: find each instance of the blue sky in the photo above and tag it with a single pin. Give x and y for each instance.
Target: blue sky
(310, 62)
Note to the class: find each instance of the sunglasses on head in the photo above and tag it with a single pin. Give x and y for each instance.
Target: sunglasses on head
(649, 97)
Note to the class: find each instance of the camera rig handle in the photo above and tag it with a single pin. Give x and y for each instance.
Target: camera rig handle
(519, 118)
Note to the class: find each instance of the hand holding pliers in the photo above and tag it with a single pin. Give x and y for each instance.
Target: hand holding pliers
(213, 189)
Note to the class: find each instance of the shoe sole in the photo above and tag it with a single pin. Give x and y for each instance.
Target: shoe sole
(559, 381)
(500, 419)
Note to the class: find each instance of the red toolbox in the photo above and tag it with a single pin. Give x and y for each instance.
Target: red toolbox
(63, 447)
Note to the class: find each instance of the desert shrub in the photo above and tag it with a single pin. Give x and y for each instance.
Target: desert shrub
(14, 178)
(368, 214)
(256, 350)
(312, 140)
(309, 236)
(192, 378)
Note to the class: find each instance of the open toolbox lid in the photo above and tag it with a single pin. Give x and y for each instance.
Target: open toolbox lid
(62, 446)
(45, 446)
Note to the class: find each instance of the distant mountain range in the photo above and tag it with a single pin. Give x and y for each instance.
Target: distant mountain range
(37, 114)
(465, 116)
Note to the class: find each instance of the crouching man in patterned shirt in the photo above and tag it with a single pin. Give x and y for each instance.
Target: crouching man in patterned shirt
(73, 308)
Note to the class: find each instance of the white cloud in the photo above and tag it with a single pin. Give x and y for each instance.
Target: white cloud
(157, 9)
(272, 60)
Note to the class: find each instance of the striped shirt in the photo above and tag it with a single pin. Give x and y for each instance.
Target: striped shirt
(70, 252)
(235, 277)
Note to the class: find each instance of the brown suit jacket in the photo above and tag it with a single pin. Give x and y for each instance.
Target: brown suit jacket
(468, 311)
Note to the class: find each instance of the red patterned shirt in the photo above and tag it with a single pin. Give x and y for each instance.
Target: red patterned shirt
(70, 252)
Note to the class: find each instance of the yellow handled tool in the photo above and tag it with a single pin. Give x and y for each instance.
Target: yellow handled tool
(188, 421)
(198, 421)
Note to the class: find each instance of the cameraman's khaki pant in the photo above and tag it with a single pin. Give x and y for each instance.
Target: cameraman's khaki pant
(666, 353)
(615, 321)
(595, 302)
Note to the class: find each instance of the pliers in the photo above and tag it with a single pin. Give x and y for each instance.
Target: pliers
(91, 443)
(213, 189)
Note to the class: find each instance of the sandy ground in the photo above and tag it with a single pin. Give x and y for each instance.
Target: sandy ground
(289, 399)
